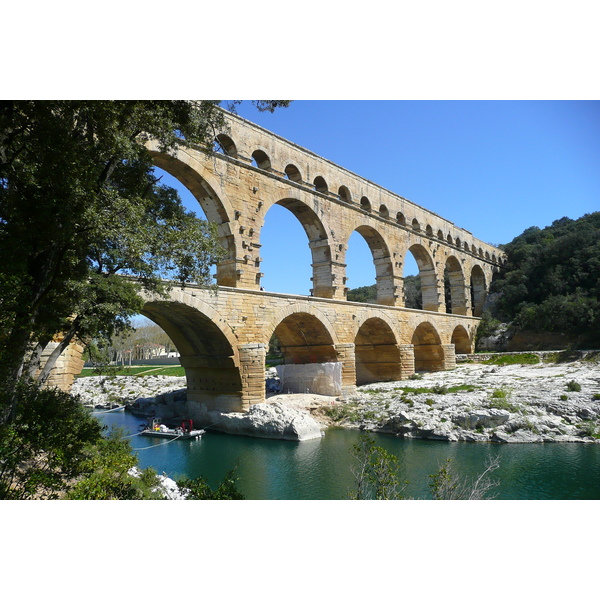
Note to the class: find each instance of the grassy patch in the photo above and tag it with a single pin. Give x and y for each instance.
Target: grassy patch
(513, 359)
(141, 371)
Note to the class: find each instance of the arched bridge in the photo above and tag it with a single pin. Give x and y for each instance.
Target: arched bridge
(223, 334)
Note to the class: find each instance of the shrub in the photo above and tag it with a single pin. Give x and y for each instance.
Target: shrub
(573, 386)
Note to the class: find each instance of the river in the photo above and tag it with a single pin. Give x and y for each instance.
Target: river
(322, 469)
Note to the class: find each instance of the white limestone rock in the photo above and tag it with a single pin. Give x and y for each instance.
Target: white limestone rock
(274, 420)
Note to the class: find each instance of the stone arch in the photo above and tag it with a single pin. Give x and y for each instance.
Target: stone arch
(449, 239)
(428, 350)
(224, 144)
(454, 278)
(365, 204)
(478, 290)
(428, 276)
(293, 173)
(262, 160)
(320, 185)
(208, 352)
(383, 211)
(376, 353)
(429, 231)
(400, 218)
(318, 243)
(384, 268)
(416, 225)
(305, 339)
(344, 194)
(461, 340)
(440, 234)
(203, 186)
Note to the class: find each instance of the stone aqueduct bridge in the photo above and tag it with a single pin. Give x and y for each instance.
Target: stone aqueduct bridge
(223, 334)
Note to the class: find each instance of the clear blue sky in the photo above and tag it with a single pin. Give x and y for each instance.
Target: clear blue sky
(494, 168)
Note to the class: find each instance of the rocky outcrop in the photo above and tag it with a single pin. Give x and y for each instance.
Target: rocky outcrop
(475, 402)
(262, 420)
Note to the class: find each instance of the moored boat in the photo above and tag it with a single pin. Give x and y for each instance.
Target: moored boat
(185, 431)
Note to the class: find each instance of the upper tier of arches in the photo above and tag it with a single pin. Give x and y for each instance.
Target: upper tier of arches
(250, 170)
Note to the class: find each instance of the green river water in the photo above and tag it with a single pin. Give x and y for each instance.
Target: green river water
(321, 469)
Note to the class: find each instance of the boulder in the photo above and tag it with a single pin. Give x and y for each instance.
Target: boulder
(274, 420)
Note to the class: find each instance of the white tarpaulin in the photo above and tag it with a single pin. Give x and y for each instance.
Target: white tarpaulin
(324, 379)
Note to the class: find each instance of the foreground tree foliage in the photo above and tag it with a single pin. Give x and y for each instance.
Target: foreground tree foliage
(46, 446)
(551, 281)
(80, 206)
(199, 489)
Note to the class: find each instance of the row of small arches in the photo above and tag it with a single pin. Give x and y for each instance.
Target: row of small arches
(224, 144)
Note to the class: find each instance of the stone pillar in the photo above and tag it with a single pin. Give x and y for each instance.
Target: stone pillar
(460, 296)
(390, 290)
(346, 356)
(252, 373)
(407, 360)
(328, 276)
(449, 356)
(430, 290)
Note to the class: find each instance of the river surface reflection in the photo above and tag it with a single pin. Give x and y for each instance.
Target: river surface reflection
(321, 469)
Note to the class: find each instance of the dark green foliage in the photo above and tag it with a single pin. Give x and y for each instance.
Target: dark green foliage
(573, 386)
(80, 206)
(552, 279)
(198, 489)
(46, 445)
(367, 294)
(108, 473)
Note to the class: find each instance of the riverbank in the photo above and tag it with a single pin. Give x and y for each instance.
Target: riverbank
(549, 401)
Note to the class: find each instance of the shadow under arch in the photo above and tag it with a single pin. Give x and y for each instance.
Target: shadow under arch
(215, 205)
(461, 340)
(427, 275)
(308, 350)
(377, 353)
(384, 267)
(208, 353)
(429, 354)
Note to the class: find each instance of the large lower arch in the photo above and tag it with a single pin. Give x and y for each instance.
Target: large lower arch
(207, 353)
(429, 353)
(461, 340)
(377, 353)
(310, 357)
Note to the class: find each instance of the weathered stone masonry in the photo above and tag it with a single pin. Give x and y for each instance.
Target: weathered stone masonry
(223, 336)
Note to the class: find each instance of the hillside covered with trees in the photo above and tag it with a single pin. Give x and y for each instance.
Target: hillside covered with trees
(552, 279)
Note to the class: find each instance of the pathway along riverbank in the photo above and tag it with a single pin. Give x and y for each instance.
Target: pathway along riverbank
(547, 397)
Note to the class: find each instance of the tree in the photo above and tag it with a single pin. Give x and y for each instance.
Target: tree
(551, 283)
(198, 489)
(375, 473)
(79, 207)
(46, 446)
(448, 485)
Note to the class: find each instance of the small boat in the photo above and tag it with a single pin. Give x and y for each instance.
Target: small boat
(185, 431)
